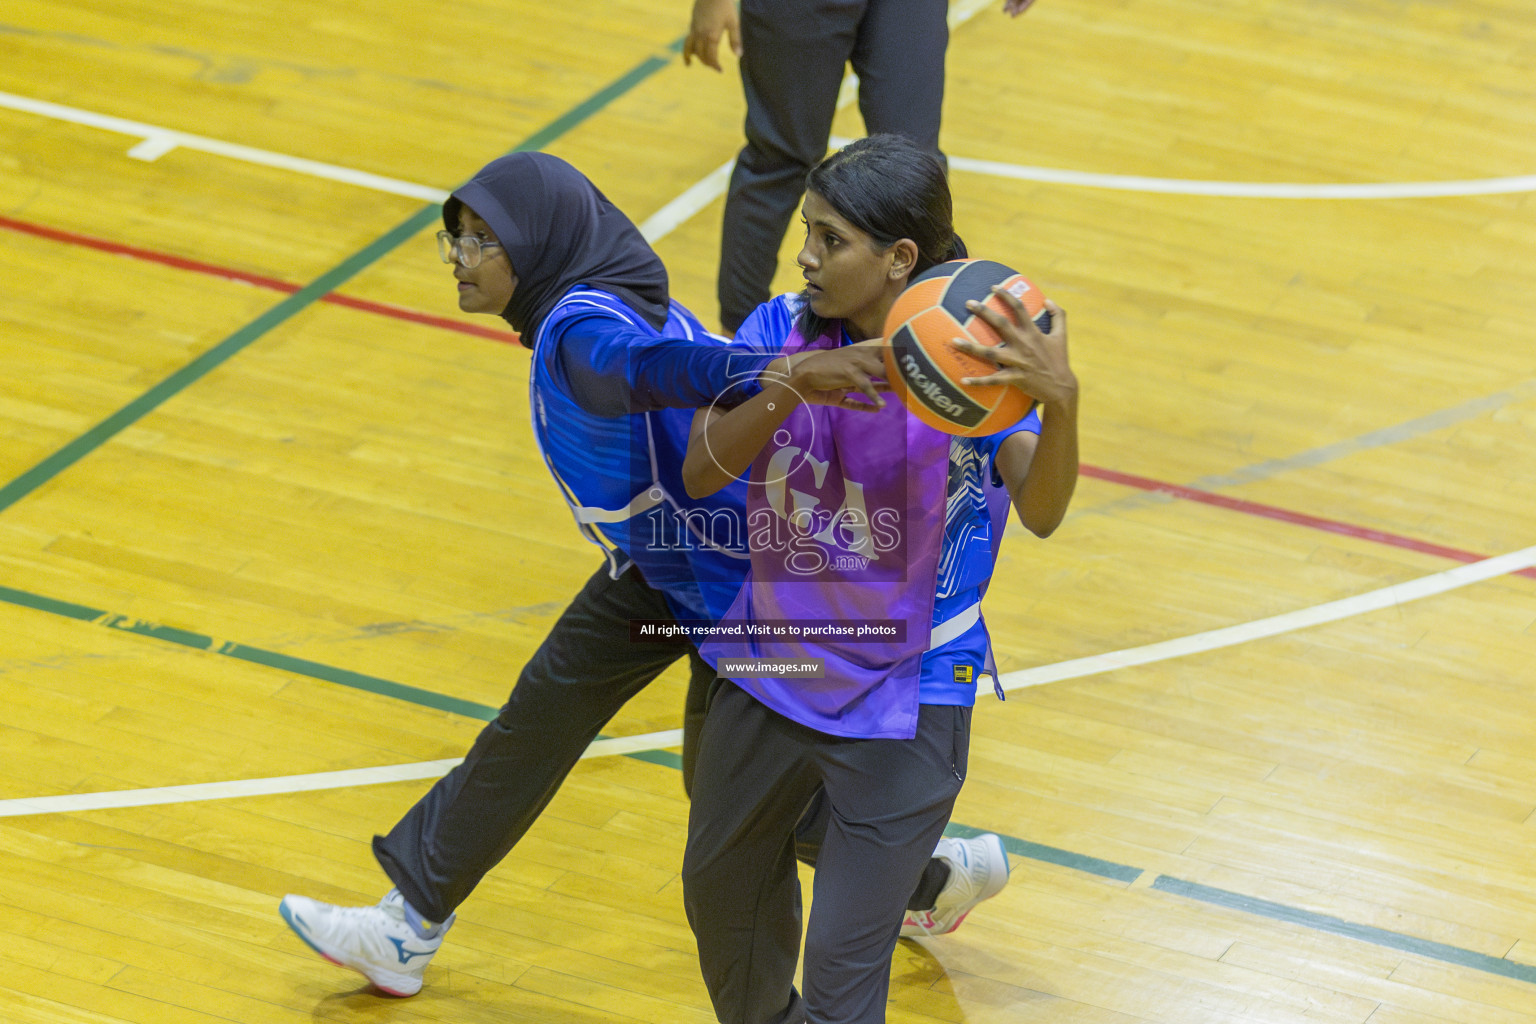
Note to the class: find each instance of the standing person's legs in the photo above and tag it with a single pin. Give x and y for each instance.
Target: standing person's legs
(899, 58)
(579, 677)
(740, 884)
(811, 832)
(794, 52)
(889, 801)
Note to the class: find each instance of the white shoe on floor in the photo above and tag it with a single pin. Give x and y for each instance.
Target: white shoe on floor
(978, 870)
(377, 942)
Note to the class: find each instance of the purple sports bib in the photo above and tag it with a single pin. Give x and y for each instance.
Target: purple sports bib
(845, 520)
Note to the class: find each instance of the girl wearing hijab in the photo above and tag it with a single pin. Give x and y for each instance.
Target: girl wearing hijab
(617, 370)
(844, 533)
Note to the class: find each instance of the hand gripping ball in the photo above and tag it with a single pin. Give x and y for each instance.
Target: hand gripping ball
(925, 371)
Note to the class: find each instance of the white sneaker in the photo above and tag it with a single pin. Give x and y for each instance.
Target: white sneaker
(376, 941)
(978, 870)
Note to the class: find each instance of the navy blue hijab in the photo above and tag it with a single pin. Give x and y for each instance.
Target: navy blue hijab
(559, 231)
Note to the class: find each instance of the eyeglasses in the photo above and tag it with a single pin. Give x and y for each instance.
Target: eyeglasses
(465, 250)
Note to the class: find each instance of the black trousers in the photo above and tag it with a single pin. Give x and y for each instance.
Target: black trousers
(887, 802)
(794, 54)
(575, 682)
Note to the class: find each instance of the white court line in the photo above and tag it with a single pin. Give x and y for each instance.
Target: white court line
(1077, 668)
(159, 141)
(680, 210)
(1250, 189)
(296, 783)
(713, 185)
(1375, 600)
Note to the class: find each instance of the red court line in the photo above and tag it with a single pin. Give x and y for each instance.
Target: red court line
(1253, 508)
(182, 263)
(1096, 472)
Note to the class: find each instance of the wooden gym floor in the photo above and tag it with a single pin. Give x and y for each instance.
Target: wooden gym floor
(270, 509)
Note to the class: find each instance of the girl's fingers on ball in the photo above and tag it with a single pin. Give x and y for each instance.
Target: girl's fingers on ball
(1011, 299)
(974, 348)
(987, 313)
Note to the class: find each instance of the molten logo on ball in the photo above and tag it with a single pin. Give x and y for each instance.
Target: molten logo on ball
(932, 390)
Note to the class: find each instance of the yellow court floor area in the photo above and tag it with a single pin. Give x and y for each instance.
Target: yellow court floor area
(275, 537)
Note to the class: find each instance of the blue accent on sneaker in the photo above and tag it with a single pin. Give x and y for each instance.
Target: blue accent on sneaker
(406, 954)
(299, 927)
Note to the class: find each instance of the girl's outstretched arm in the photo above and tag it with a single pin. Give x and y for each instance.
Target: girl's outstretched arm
(723, 443)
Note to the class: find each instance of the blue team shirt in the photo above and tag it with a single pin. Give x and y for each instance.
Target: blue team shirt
(612, 401)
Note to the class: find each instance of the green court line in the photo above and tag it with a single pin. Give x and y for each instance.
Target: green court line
(255, 655)
(600, 99)
(356, 680)
(210, 360)
(48, 604)
(94, 438)
(1053, 855)
(1338, 926)
(1018, 847)
(665, 758)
